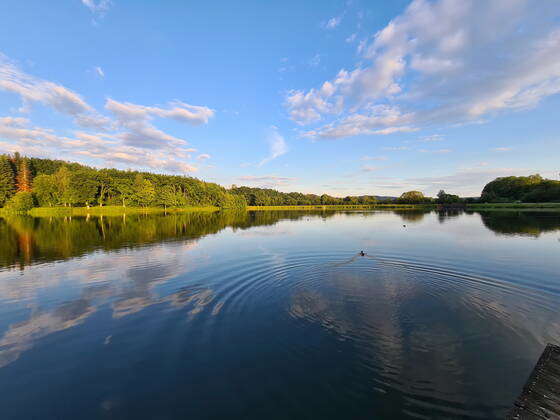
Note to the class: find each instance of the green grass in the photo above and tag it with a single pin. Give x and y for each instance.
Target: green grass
(119, 210)
(342, 207)
(110, 211)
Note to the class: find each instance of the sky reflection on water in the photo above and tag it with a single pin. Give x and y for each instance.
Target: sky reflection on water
(445, 316)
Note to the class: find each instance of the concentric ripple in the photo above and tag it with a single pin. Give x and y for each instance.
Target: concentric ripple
(411, 331)
(441, 319)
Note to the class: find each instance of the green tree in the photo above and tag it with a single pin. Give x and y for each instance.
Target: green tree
(104, 185)
(21, 201)
(144, 191)
(412, 197)
(166, 196)
(7, 180)
(519, 188)
(63, 176)
(83, 187)
(444, 198)
(124, 187)
(46, 190)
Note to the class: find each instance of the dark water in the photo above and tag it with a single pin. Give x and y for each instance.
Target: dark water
(272, 315)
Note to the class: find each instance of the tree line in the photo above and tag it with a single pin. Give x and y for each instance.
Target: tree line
(28, 182)
(269, 197)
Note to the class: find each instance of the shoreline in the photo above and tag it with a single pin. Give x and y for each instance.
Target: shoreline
(120, 211)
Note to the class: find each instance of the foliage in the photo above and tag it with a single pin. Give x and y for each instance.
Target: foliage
(270, 197)
(46, 190)
(413, 197)
(529, 189)
(22, 201)
(82, 188)
(144, 191)
(24, 177)
(7, 180)
(59, 183)
(444, 198)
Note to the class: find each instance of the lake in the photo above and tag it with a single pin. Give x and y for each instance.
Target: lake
(274, 315)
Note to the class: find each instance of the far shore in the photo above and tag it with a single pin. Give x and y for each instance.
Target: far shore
(120, 210)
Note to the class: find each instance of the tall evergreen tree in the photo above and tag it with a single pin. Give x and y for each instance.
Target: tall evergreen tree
(7, 180)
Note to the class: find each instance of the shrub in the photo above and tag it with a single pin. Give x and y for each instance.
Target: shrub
(22, 201)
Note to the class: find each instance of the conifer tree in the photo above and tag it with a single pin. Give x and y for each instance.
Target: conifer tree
(7, 180)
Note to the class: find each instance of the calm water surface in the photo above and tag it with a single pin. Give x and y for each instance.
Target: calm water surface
(273, 315)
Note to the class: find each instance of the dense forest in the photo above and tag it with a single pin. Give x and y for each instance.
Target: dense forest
(27, 182)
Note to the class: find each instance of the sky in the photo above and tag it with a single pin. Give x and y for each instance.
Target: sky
(340, 97)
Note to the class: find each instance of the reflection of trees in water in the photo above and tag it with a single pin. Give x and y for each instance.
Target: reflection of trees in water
(411, 216)
(448, 213)
(25, 239)
(520, 223)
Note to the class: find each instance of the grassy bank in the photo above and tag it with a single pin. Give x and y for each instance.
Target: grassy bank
(119, 210)
(110, 211)
(344, 207)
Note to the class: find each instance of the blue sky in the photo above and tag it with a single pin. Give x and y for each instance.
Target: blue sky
(338, 97)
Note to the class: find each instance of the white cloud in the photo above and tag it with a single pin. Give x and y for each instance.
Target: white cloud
(333, 22)
(177, 110)
(99, 6)
(442, 62)
(501, 149)
(277, 144)
(17, 134)
(140, 133)
(94, 122)
(351, 38)
(307, 107)
(99, 71)
(203, 156)
(378, 119)
(31, 89)
(129, 140)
